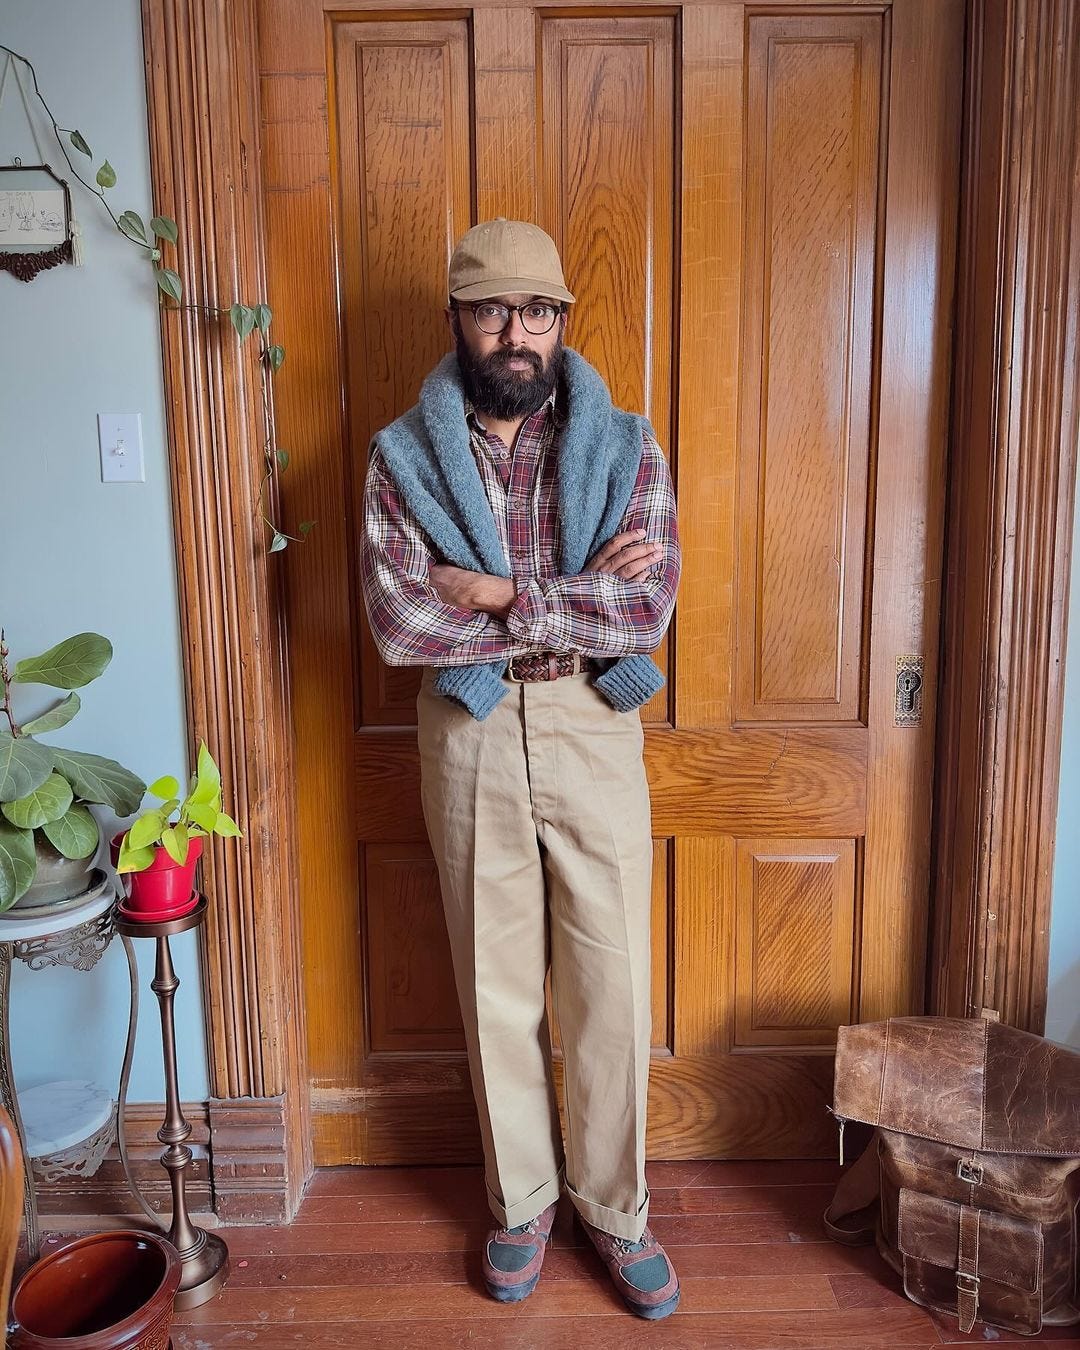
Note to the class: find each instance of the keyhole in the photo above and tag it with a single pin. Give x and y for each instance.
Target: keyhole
(908, 684)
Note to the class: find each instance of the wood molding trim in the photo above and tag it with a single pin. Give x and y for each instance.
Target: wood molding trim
(1010, 512)
(202, 98)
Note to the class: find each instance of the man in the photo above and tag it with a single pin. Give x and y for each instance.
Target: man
(520, 543)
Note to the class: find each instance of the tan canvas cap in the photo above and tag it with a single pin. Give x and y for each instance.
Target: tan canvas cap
(506, 257)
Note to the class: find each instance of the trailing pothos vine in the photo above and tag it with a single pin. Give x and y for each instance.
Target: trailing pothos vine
(152, 239)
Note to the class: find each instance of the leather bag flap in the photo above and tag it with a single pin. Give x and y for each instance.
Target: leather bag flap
(971, 1082)
(1010, 1250)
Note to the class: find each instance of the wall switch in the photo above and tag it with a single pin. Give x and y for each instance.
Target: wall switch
(120, 439)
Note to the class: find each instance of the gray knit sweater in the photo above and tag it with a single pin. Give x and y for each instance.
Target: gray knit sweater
(428, 455)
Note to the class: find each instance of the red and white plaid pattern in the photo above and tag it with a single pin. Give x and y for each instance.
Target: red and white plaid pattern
(593, 613)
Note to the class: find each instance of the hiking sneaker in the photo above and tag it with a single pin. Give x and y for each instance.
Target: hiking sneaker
(513, 1257)
(640, 1271)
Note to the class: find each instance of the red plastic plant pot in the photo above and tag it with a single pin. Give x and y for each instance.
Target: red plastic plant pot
(165, 889)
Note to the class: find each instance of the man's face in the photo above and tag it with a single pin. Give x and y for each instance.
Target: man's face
(508, 374)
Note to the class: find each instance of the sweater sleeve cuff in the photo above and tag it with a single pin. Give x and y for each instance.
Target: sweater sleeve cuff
(528, 618)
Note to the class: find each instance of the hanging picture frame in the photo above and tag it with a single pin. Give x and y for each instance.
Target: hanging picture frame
(35, 220)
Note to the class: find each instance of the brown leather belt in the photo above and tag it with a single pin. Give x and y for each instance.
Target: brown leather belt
(532, 666)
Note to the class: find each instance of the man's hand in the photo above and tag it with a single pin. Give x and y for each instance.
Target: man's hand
(626, 555)
(472, 590)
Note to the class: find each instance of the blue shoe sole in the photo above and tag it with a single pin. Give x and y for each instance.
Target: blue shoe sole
(661, 1309)
(514, 1293)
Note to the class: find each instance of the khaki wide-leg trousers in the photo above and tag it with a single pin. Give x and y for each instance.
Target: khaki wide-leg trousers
(539, 819)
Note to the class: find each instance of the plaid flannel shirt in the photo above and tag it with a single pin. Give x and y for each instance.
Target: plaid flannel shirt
(594, 613)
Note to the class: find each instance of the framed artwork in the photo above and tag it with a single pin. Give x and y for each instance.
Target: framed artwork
(35, 220)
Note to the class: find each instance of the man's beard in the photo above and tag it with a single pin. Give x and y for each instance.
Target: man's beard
(507, 394)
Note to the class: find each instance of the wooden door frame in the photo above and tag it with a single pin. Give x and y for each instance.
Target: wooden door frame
(1005, 587)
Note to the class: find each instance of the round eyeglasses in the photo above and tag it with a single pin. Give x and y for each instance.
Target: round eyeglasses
(537, 316)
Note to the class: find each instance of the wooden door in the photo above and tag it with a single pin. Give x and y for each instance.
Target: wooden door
(755, 207)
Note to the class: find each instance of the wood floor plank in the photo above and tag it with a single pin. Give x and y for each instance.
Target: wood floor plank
(567, 1263)
(903, 1329)
(464, 1180)
(423, 1204)
(561, 1298)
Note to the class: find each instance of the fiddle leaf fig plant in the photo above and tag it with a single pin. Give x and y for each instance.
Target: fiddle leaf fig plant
(46, 791)
(199, 813)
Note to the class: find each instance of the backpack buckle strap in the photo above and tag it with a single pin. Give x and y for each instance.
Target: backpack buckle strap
(967, 1269)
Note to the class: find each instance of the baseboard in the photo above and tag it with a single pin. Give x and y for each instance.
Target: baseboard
(250, 1162)
(106, 1192)
(239, 1168)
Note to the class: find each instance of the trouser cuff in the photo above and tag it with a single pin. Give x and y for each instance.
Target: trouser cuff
(522, 1211)
(629, 1227)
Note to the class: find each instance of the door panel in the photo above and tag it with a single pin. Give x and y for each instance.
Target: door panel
(755, 209)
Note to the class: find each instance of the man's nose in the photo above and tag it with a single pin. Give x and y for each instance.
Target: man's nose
(515, 331)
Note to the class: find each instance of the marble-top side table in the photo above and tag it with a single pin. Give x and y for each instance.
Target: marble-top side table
(68, 1128)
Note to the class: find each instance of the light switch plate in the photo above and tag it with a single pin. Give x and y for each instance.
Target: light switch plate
(120, 440)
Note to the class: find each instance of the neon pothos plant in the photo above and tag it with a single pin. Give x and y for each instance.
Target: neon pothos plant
(199, 813)
(46, 791)
(152, 240)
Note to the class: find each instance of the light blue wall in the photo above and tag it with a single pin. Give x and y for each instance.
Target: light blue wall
(76, 554)
(1063, 1003)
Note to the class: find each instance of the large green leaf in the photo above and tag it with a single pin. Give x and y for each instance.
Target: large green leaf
(69, 665)
(55, 718)
(164, 787)
(76, 834)
(24, 765)
(48, 802)
(18, 863)
(96, 779)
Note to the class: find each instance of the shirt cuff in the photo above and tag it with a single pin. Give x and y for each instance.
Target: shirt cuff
(528, 617)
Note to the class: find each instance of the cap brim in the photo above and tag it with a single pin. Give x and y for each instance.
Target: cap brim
(489, 290)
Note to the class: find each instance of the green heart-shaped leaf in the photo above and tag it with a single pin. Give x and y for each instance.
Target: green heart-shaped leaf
(226, 826)
(263, 315)
(18, 863)
(69, 665)
(243, 320)
(169, 283)
(276, 357)
(106, 175)
(55, 718)
(77, 141)
(48, 802)
(133, 859)
(164, 787)
(132, 225)
(24, 766)
(175, 840)
(204, 815)
(96, 779)
(164, 227)
(76, 834)
(146, 830)
(278, 542)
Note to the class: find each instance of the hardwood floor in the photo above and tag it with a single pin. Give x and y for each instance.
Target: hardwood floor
(388, 1258)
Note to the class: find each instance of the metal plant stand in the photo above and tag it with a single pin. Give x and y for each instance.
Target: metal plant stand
(204, 1256)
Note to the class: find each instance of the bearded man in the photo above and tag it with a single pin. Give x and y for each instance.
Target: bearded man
(520, 544)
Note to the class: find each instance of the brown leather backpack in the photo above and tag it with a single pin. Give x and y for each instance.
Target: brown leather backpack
(970, 1183)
